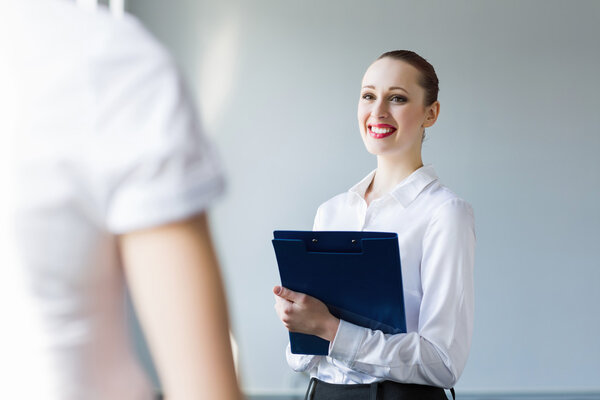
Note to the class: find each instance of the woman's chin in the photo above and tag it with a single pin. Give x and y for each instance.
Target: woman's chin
(390, 147)
(378, 148)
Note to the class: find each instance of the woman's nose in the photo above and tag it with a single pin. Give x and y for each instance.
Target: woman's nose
(379, 110)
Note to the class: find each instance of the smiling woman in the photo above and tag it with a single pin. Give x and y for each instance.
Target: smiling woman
(398, 101)
(435, 228)
(411, 98)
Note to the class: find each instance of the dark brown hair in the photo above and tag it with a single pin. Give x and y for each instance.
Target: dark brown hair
(429, 80)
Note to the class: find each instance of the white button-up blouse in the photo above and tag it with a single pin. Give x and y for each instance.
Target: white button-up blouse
(437, 241)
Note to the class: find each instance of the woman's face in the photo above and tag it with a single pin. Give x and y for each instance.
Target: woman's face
(391, 110)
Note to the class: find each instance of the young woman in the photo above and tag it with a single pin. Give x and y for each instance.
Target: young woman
(398, 101)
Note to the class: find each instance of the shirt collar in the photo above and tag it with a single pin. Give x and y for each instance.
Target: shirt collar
(361, 187)
(406, 191)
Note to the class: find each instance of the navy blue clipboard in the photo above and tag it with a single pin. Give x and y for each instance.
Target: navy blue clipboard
(357, 274)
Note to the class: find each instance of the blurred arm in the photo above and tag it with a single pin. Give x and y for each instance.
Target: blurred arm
(177, 290)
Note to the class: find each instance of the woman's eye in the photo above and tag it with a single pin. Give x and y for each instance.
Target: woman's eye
(398, 99)
(367, 96)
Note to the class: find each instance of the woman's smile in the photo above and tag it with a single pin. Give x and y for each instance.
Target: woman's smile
(380, 131)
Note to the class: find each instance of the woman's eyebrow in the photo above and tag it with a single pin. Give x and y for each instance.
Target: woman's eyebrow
(390, 88)
(398, 88)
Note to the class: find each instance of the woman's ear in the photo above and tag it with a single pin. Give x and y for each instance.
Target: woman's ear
(431, 114)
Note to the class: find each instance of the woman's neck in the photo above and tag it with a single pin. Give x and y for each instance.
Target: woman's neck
(390, 172)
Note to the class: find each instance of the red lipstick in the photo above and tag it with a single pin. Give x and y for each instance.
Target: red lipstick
(380, 131)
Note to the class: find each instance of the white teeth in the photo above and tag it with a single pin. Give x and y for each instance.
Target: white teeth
(380, 130)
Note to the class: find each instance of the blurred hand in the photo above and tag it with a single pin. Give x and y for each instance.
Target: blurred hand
(302, 313)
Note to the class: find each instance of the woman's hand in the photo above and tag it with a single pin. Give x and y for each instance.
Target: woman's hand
(302, 313)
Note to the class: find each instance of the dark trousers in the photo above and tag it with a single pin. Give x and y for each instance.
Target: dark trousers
(385, 390)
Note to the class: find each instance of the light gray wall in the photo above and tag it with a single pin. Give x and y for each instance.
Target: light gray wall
(518, 137)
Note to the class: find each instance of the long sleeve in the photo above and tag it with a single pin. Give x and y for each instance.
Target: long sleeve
(437, 353)
(301, 362)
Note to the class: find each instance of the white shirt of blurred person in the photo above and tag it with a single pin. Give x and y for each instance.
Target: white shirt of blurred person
(111, 178)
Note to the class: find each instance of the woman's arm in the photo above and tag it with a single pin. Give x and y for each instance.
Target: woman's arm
(176, 287)
(437, 353)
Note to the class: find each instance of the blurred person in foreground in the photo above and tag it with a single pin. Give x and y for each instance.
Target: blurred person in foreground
(107, 180)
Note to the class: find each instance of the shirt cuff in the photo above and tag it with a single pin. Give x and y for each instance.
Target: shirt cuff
(299, 362)
(347, 342)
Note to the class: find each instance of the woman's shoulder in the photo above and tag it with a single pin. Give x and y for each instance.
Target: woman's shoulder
(444, 202)
(337, 201)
